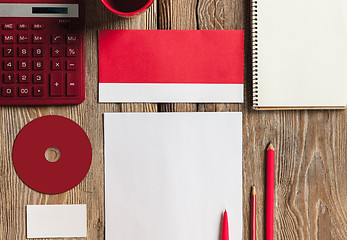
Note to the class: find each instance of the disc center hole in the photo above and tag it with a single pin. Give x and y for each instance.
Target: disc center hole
(52, 154)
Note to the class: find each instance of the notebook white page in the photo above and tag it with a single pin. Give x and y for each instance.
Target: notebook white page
(302, 53)
(171, 175)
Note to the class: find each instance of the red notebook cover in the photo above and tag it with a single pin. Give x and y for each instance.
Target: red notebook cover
(171, 65)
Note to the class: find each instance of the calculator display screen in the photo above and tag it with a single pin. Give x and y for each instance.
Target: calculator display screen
(48, 10)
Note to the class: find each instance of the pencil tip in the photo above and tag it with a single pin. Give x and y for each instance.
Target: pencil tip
(270, 146)
(253, 190)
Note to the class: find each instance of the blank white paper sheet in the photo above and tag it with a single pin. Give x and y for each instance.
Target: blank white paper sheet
(56, 221)
(171, 175)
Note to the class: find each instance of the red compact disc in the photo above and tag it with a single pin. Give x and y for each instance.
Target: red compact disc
(62, 137)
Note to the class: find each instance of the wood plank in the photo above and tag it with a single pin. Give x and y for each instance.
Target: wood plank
(311, 160)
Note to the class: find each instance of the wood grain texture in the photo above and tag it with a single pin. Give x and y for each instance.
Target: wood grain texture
(311, 146)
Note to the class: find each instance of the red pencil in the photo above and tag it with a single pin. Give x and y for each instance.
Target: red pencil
(254, 214)
(270, 185)
(225, 231)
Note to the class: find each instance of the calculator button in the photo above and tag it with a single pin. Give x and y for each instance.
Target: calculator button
(71, 38)
(8, 52)
(38, 38)
(71, 52)
(8, 65)
(37, 65)
(57, 52)
(8, 91)
(71, 85)
(8, 38)
(38, 51)
(57, 64)
(38, 78)
(23, 65)
(23, 78)
(23, 91)
(71, 65)
(8, 26)
(38, 26)
(38, 91)
(9, 78)
(23, 38)
(57, 38)
(56, 84)
(23, 26)
(23, 52)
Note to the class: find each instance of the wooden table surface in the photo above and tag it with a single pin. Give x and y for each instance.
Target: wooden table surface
(311, 163)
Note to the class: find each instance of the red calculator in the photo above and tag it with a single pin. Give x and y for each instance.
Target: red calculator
(42, 52)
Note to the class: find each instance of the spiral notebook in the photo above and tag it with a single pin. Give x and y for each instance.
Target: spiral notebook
(299, 54)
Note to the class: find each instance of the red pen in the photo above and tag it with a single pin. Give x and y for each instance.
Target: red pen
(270, 185)
(225, 231)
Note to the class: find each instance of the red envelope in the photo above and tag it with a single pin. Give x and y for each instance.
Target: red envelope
(171, 65)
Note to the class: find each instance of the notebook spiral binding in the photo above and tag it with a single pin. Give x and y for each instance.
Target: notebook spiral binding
(254, 33)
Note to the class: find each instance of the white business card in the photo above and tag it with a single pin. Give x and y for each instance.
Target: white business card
(56, 221)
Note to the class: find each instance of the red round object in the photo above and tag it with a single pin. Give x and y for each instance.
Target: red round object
(52, 132)
(130, 13)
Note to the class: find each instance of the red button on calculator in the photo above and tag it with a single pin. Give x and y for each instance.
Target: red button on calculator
(23, 26)
(24, 91)
(8, 51)
(57, 51)
(57, 64)
(38, 38)
(23, 65)
(8, 91)
(38, 91)
(9, 78)
(38, 78)
(71, 52)
(71, 65)
(23, 78)
(42, 52)
(38, 51)
(71, 85)
(71, 38)
(8, 38)
(38, 65)
(8, 26)
(57, 38)
(8, 65)
(56, 84)
(38, 26)
(23, 52)
(23, 38)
